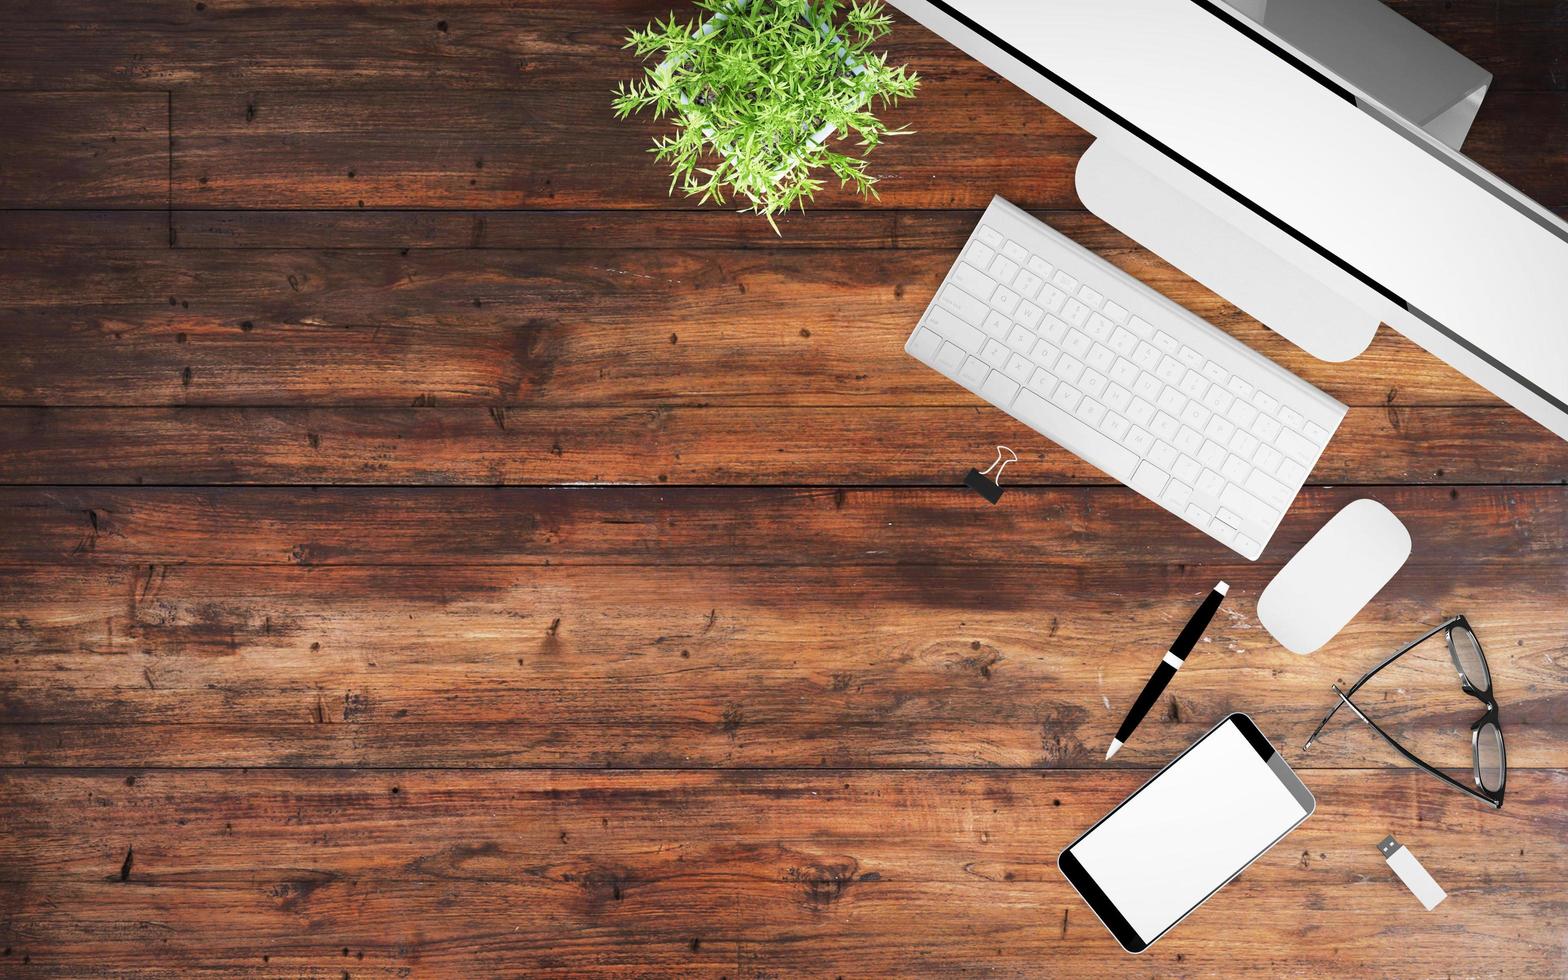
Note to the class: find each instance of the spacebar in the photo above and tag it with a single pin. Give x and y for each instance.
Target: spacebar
(1095, 447)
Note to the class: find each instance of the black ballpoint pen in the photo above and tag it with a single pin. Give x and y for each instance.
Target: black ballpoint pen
(1174, 658)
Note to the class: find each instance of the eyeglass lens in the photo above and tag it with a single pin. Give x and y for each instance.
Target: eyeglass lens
(1489, 757)
(1467, 652)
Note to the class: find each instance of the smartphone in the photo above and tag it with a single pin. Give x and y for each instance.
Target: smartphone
(1186, 833)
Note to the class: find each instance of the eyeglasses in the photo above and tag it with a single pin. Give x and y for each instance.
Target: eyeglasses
(1490, 757)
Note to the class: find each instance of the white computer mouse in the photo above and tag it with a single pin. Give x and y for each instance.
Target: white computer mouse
(1334, 576)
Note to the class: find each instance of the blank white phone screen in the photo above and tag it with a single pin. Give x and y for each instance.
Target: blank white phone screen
(1187, 832)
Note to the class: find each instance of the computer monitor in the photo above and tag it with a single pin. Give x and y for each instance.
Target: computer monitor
(1348, 210)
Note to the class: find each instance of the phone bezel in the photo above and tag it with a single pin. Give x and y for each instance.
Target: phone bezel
(1101, 905)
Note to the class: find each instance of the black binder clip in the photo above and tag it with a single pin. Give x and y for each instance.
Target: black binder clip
(985, 483)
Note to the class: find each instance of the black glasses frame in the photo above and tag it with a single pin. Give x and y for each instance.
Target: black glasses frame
(1493, 798)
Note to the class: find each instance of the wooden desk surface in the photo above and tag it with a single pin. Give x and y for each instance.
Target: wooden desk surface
(430, 550)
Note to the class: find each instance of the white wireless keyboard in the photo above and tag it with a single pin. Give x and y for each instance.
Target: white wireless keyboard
(1089, 357)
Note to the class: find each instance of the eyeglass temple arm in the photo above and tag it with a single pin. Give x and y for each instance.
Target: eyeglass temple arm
(1456, 784)
(1372, 673)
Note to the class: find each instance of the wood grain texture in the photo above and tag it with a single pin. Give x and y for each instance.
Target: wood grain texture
(428, 549)
(725, 874)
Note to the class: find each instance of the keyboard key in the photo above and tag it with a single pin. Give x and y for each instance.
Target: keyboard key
(1099, 328)
(1170, 400)
(1195, 415)
(1075, 313)
(1050, 419)
(1069, 369)
(1292, 473)
(1316, 433)
(1040, 267)
(1077, 344)
(1139, 441)
(1043, 382)
(1296, 446)
(1212, 454)
(1117, 313)
(1186, 469)
(1093, 383)
(1147, 386)
(1019, 368)
(1248, 547)
(1236, 469)
(950, 327)
(996, 325)
(1269, 490)
(1210, 483)
(1092, 298)
(980, 255)
(1028, 284)
(1052, 299)
(1193, 384)
(999, 390)
(1163, 454)
(1221, 531)
(990, 236)
(1190, 357)
(1003, 270)
(1066, 397)
(1115, 426)
(1100, 358)
(1267, 459)
(1176, 496)
(1242, 414)
(1215, 373)
(1188, 441)
(1124, 372)
(1170, 370)
(1230, 517)
(1063, 281)
(1199, 516)
(1030, 315)
(1243, 444)
(1265, 402)
(949, 359)
(1217, 399)
(1117, 398)
(924, 344)
(1291, 418)
(1219, 430)
(1165, 342)
(1140, 411)
(1122, 341)
(1265, 428)
(1090, 411)
(1005, 300)
(975, 282)
(994, 354)
(1249, 507)
(1054, 330)
(1240, 388)
(1165, 426)
(972, 311)
(1141, 328)
(1045, 353)
(1015, 252)
(1149, 480)
(1020, 339)
(973, 374)
(1146, 356)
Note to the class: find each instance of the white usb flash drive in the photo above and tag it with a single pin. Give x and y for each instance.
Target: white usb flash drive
(1412, 873)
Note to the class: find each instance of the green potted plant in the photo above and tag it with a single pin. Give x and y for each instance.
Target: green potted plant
(759, 90)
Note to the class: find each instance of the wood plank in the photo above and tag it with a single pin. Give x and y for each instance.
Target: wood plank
(164, 44)
(618, 653)
(668, 527)
(732, 874)
(58, 229)
(591, 230)
(553, 147)
(777, 326)
(84, 149)
(864, 446)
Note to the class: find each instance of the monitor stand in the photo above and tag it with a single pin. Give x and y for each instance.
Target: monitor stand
(1206, 234)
